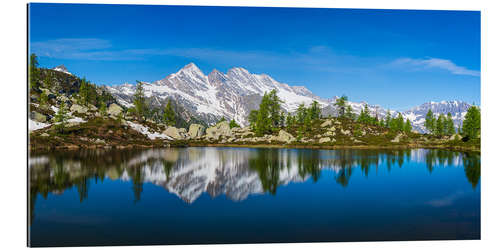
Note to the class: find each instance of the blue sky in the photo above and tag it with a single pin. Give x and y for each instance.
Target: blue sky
(394, 58)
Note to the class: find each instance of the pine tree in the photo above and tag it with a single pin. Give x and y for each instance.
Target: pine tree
(102, 108)
(349, 113)
(407, 126)
(450, 127)
(44, 99)
(388, 119)
(169, 114)
(440, 123)
(139, 100)
(61, 117)
(290, 121)
(341, 105)
(33, 71)
(48, 80)
(84, 92)
(430, 122)
(315, 110)
(472, 123)
(252, 118)
(301, 113)
(233, 124)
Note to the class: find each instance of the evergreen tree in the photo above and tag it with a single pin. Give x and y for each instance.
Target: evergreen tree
(48, 80)
(274, 108)
(290, 121)
(252, 118)
(450, 127)
(233, 124)
(84, 92)
(440, 123)
(472, 123)
(397, 124)
(301, 113)
(44, 99)
(268, 117)
(61, 117)
(388, 119)
(102, 108)
(364, 116)
(349, 113)
(139, 100)
(407, 126)
(282, 119)
(315, 110)
(430, 122)
(33, 71)
(341, 105)
(169, 114)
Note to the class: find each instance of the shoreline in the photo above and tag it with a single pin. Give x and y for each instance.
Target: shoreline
(235, 145)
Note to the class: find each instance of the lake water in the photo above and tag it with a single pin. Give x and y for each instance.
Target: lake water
(241, 195)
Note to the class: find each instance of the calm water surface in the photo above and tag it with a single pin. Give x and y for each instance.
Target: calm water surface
(238, 195)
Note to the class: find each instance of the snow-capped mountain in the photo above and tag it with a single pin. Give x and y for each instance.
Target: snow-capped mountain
(457, 109)
(62, 68)
(234, 94)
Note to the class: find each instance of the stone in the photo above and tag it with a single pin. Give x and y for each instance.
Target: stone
(332, 128)
(44, 135)
(92, 107)
(456, 137)
(363, 133)
(38, 117)
(397, 138)
(196, 131)
(330, 133)
(114, 109)
(247, 134)
(345, 132)
(78, 109)
(324, 140)
(99, 141)
(173, 132)
(326, 123)
(221, 129)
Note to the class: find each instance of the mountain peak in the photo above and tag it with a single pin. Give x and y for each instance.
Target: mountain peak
(61, 68)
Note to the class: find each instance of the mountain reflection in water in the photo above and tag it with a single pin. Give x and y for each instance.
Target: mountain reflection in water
(234, 172)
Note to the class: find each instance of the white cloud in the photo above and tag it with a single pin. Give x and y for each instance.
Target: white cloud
(422, 64)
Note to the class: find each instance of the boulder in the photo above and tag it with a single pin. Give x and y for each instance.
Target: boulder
(196, 131)
(330, 133)
(332, 128)
(38, 117)
(345, 132)
(326, 123)
(114, 109)
(284, 136)
(324, 140)
(173, 132)
(78, 109)
(92, 107)
(397, 138)
(456, 137)
(221, 129)
(247, 134)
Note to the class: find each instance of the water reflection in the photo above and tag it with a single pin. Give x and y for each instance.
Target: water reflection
(234, 172)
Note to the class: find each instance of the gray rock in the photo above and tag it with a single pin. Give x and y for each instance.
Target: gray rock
(456, 137)
(397, 138)
(173, 132)
(114, 109)
(345, 132)
(221, 129)
(330, 133)
(38, 116)
(326, 123)
(196, 131)
(324, 140)
(44, 135)
(78, 109)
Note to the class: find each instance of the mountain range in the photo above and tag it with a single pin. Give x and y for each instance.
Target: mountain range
(235, 93)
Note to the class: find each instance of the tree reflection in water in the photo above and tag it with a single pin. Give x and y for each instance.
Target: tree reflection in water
(235, 172)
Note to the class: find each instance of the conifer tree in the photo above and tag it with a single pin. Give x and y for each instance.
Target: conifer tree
(169, 114)
(430, 122)
(44, 99)
(450, 127)
(233, 124)
(61, 117)
(48, 80)
(33, 71)
(407, 126)
(440, 123)
(139, 100)
(388, 119)
(315, 110)
(341, 105)
(349, 113)
(472, 123)
(102, 108)
(84, 92)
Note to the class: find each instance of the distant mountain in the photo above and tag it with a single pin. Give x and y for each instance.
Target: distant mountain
(234, 94)
(62, 68)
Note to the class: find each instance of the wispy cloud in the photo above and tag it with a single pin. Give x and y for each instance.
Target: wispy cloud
(444, 64)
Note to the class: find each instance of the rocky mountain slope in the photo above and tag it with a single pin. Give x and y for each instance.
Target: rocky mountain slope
(234, 94)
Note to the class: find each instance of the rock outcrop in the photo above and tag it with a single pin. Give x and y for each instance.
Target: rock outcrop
(174, 133)
(324, 140)
(114, 109)
(284, 136)
(196, 131)
(78, 109)
(221, 129)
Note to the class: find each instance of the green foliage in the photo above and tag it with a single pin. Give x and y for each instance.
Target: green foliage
(341, 105)
(222, 119)
(449, 126)
(472, 123)
(61, 118)
(139, 101)
(440, 125)
(407, 126)
(44, 99)
(233, 124)
(102, 108)
(169, 114)
(397, 124)
(314, 110)
(48, 80)
(349, 113)
(34, 72)
(268, 117)
(388, 119)
(430, 122)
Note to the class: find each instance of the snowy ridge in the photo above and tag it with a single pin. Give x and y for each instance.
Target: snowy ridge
(62, 68)
(234, 94)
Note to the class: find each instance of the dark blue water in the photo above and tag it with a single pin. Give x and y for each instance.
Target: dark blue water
(240, 195)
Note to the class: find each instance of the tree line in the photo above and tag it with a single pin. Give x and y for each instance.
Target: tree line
(443, 125)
